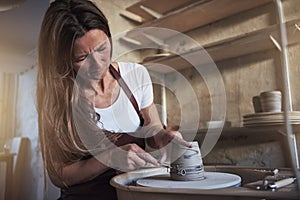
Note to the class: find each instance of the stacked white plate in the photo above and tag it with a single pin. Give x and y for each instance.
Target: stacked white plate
(270, 118)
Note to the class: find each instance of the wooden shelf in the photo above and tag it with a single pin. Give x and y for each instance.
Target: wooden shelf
(252, 130)
(161, 6)
(198, 14)
(264, 132)
(242, 130)
(229, 48)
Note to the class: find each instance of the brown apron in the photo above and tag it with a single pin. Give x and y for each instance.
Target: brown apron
(99, 188)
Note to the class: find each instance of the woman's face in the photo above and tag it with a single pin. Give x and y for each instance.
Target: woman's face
(92, 54)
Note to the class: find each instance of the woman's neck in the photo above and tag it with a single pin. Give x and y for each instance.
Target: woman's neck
(106, 90)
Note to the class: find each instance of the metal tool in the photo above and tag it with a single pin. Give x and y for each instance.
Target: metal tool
(273, 185)
(165, 165)
(281, 183)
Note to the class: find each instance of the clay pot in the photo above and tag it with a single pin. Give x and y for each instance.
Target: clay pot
(187, 163)
(271, 101)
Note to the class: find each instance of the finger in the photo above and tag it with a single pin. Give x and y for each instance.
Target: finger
(176, 133)
(181, 141)
(138, 162)
(163, 153)
(144, 155)
(148, 158)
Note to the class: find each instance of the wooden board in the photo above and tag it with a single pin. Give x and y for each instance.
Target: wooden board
(198, 14)
(230, 48)
(160, 6)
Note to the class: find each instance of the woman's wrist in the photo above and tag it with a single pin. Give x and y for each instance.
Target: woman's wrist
(153, 141)
(104, 160)
(150, 142)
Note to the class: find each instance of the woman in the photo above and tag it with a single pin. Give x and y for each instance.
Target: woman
(80, 104)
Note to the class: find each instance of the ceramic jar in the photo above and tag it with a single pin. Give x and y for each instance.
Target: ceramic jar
(187, 163)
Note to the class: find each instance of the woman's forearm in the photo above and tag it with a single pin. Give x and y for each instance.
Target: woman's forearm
(79, 172)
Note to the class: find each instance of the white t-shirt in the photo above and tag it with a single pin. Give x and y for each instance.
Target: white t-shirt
(121, 115)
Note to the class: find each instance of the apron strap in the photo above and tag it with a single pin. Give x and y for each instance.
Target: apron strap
(127, 91)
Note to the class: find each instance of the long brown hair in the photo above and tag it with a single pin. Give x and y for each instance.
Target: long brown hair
(59, 96)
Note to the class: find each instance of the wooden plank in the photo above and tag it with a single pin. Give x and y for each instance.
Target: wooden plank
(160, 6)
(235, 131)
(252, 42)
(230, 48)
(198, 14)
(132, 16)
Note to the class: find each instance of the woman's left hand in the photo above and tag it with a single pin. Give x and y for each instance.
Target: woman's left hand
(156, 136)
(164, 137)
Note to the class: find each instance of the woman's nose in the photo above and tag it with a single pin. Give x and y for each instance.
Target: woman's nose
(95, 67)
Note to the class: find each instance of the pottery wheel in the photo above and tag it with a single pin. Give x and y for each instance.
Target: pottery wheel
(213, 180)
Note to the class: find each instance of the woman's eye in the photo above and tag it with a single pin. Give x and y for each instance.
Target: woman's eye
(80, 59)
(100, 49)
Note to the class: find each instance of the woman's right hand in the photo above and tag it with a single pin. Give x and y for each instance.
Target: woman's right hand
(126, 158)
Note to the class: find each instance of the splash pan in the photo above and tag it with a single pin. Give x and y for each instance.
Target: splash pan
(130, 186)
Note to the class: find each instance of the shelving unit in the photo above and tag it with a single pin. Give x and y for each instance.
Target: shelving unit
(173, 15)
(183, 16)
(199, 13)
(230, 48)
